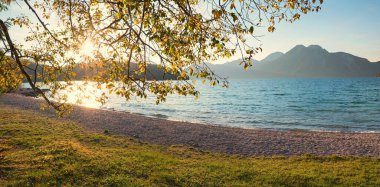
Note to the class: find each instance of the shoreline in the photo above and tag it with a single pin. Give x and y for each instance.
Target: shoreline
(168, 118)
(230, 140)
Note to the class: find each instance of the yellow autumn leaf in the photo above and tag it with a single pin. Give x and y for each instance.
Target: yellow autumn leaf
(271, 29)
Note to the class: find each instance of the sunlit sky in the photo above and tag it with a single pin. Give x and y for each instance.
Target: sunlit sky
(342, 25)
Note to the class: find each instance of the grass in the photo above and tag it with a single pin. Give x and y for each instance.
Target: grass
(39, 151)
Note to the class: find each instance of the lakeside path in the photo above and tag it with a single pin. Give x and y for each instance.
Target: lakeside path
(212, 138)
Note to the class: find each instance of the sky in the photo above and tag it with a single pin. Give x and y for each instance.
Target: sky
(350, 26)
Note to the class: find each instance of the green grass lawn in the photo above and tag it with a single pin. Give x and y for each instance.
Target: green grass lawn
(41, 151)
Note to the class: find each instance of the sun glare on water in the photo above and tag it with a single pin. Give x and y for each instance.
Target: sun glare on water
(83, 94)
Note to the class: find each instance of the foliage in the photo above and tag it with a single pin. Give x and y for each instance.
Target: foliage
(180, 36)
(10, 78)
(42, 151)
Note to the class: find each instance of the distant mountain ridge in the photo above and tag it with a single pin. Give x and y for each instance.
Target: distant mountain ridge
(302, 61)
(153, 72)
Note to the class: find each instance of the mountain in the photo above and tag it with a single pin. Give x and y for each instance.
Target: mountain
(153, 72)
(302, 61)
(272, 57)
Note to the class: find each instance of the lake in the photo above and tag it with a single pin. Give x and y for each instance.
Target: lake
(323, 104)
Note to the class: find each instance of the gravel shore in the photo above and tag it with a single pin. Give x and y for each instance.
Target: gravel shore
(213, 138)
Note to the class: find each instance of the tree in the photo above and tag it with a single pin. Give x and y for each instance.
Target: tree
(111, 36)
(9, 77)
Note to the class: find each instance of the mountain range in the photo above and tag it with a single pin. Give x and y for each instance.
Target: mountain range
(153, 72)
(302, 61)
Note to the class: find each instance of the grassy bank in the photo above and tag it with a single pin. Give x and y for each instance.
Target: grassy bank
(37, 150)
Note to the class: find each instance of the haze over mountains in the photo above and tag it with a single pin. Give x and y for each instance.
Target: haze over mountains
(301, 61)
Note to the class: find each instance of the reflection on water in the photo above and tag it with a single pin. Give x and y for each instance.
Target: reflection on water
(350, 104)
(83, 94)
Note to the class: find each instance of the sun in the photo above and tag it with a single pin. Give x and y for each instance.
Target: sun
(87, 48)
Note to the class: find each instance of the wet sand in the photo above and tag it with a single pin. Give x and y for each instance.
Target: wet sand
(228, 140)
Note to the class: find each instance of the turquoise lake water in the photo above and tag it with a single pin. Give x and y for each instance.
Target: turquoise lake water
(325, 104)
